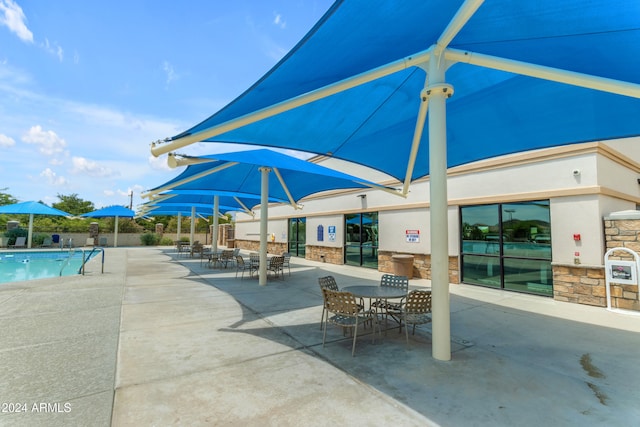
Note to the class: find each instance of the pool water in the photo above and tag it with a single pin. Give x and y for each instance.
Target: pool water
(30, 265)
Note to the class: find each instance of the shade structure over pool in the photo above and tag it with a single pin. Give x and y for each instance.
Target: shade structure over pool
(151, 211)
(181, 210)
(228, 201)
(247, 172)
(240, 173)
(475, 79)
(114, 211)
(504, 99)
(215, 201)
(31, 209)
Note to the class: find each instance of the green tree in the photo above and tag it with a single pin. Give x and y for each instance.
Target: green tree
(73, 204)
(6, 198)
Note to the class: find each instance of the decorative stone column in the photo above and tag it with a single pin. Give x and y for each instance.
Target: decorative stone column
(160, 229)
(94, 232)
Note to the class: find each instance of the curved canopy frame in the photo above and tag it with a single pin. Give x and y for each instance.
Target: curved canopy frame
(527, 74)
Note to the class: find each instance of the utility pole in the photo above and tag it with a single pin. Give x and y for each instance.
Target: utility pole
(131, 199)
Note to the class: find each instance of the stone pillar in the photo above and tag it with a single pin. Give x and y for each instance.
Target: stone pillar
(94, 232)
(622, 230)
(160, 229)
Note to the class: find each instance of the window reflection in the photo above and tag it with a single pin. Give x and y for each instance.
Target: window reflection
(361, 239)
(508, 245)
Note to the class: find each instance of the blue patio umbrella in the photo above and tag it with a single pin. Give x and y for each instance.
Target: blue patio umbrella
(153, 210)
(114, 211)
(215, 201)
(31, 209)
(228, 201)
(518, 75)
(161, 210)
(240, 173)
(247, 172)
(193, 206)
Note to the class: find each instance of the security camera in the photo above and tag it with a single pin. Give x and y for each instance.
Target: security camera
(576, 172)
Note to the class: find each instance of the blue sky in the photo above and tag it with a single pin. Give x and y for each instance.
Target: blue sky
(86, 86)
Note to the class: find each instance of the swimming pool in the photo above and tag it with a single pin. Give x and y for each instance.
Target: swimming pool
(29, 265)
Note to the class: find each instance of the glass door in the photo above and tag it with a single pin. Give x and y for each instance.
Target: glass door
(361, 239)
(297, 236)
(508, 246)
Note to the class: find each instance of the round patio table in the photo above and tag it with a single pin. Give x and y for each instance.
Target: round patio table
(375, 291)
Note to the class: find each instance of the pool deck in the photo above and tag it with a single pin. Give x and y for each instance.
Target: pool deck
(159, 340)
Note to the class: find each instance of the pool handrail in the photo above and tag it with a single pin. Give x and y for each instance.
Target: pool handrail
(86, 259)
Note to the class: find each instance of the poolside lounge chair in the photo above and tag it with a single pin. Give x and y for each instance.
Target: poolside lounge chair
(20, 243)
(47, 242)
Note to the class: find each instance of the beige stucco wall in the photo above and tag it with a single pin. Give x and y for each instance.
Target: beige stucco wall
(606, 182)
(394, 226)
(249, 229)
(326, 221)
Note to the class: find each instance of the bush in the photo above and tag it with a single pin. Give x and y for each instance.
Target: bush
(149, 239)
(16, 232)
(166, 241)
(38, 239)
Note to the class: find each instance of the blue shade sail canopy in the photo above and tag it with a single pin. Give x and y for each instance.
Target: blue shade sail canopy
(111, 211)
(228, 201)
(518, 75)
(239, 172)
(114, 211)
(162, 210)
(492, 112)
(31, 209)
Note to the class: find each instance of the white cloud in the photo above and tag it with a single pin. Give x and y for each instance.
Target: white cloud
(53, 178)
(159, 163)
(54, 49)
(170, 72)
(135, 189)
(6, 141)
(12, 17)
(49, 143)
(83, 166)
(278, 21)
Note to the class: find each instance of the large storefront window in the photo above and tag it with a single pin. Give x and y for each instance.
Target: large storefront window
(508, 246)
(297, 236)
(361, 239)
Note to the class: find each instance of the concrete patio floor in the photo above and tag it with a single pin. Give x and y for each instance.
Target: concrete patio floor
(161, 340)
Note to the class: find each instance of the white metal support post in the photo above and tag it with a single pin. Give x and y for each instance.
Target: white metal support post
(30, 231)
(264, 221)
(179, 226)
(438, 92)
(193, 225)
(214, 232)
(115, 233)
